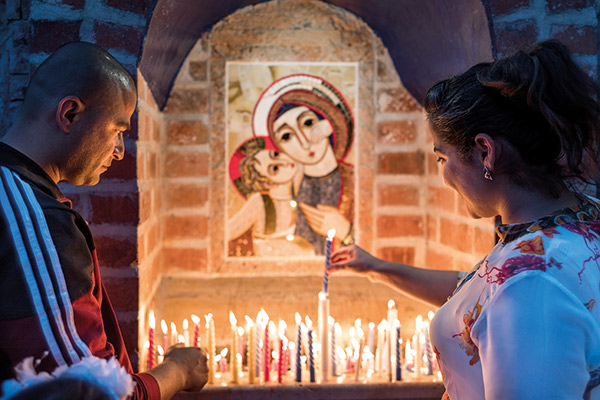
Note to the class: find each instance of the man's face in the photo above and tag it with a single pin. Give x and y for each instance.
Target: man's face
(98, 138)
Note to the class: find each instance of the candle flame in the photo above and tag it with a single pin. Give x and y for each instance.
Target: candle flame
(163, 326)
(180, 338)
(308, 322)
(173, 327)
(419, 323)
(195, 319)
(186, 324)
(292, 346)
(293, 203)
(224, 352)
(272, 327)
(322, 296)
(430, 315)
(282, 326)
(357, 323)
(151, 320)
(249, 321)
(240, 331)
(289, 237)
(371, 325)
(391, 304)
(352, 331)
(298, 318)
(396, 323)
(331, 233)
(232, 319)
(338, 328)
(160, 350)
(330, 320)
(381, 325)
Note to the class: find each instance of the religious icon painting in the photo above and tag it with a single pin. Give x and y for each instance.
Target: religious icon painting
(291, 149)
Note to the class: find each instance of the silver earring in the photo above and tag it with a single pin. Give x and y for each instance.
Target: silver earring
(487, 174)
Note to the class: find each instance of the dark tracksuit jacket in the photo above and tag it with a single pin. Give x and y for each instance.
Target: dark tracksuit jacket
(53, 305)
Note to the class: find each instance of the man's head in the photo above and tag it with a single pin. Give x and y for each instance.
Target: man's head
(88, 98)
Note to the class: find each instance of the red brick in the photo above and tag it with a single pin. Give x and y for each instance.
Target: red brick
(115, 209)
(483, 240)
(186, 195)
(123, 293)
(438, 260)
(187, 259)
(404, 255)
(397, 132)
(135, 6)
(186, 164)
(188, 227)
(432, 230)
(457, 235)
(155, 130)
(394, 195)
(145, 205)
(198, 70)
(152, 169)
(558, 6)
(441, 197)
(153, 238)
(112, 36)
(124, 169)
(401, 163)
(187, 101)
(516, 35)
(499, 7)
(187, 132)
(116, 252)
(49, 35)
(396, 100)
(579, 39)
(399, 225)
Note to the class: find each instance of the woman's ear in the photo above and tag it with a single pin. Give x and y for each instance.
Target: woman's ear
(67, 112)
(486, 150)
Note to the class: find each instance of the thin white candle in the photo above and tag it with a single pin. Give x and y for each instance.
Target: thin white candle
(324, 335)
(186, 332)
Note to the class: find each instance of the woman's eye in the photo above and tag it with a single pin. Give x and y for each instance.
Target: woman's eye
(309, 122)
(286, 137)
(274, 169)
(274, 154)
(441, 160)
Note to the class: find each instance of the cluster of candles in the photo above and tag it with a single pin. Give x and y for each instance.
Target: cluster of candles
(263, 349)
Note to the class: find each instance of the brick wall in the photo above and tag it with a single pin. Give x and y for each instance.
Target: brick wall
(156, 214)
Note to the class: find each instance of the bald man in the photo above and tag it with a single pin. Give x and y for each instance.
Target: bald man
(53, 305)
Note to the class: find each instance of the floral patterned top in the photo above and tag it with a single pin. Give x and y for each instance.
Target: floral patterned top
(524, 323)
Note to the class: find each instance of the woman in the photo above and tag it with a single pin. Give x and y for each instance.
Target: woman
(310, 121)
(512, 136)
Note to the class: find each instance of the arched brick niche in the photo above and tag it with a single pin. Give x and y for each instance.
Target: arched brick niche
(402, 207)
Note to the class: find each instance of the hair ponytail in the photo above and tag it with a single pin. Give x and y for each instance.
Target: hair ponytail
(539, 101)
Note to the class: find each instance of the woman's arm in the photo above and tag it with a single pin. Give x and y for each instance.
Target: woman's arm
(430, 286)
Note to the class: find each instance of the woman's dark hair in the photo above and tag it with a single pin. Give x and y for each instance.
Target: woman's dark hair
(540, 102)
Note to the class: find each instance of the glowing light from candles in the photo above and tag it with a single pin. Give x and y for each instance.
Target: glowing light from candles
(196, 321)
(161, 353)
(180, 338)
(289, 237)
(234, 344)
(299, 348)
(186, 332)
(293, 203)
(165, 331)
(430, 315)
(311, 357)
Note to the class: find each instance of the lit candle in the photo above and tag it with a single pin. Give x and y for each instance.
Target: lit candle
(152, 325)
(234, 343)
(180, 338)
(186, 332)
(324, 335)
(419, 354)
(165, 331)
(337, 332)
(282, 327)
(173, 333)
(392, 315)
(398, 347)
(379, 351)
(311, 361)
(332, 347)
(298, 347)
(388, 357)
(359, 356)
(196, 321)
(223, 360)
(210, 339)
(161, 353)
(267, 348)
(371, 336)
(241, 343)
(251, 349)
(428, 351)
(260, 328)
(328, 241)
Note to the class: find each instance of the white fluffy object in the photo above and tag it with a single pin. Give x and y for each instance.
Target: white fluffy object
(107, 374)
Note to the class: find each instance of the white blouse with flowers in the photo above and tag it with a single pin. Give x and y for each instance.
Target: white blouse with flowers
(524, 323)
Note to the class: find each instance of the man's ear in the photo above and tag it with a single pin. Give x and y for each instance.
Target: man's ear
(487, 150)
(67, 112)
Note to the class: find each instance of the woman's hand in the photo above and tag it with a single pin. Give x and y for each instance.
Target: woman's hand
(355, 259)
(322, 218)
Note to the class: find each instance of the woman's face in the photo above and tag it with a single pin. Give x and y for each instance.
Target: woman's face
(466, 177)
(301, 135)
(276, 166)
